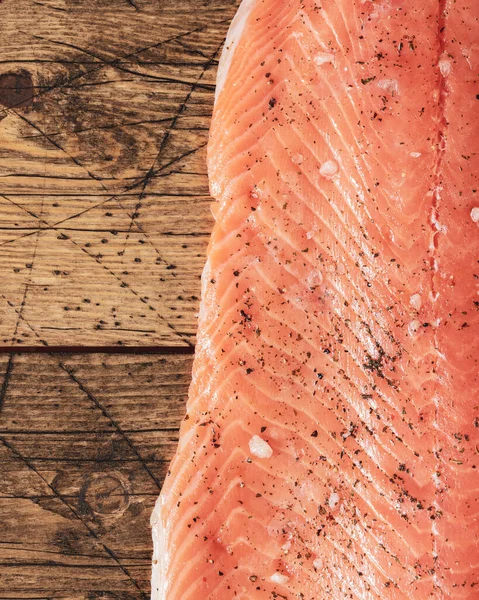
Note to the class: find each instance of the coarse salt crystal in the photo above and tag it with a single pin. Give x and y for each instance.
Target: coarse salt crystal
(297, 158)
(413, 327)
(329, 169)
(318, 563)
(475, 215)
(333, 500)
(321, 58)
(286, 547)
(279, 578)
(445, 67)
(415, 154)
(416, 301)
(314, 279)
(260, 448)
(389, 85)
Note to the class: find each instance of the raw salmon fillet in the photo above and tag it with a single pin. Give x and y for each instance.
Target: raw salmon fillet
(330, 447)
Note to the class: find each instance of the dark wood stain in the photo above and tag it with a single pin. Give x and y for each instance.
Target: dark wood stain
(16, 89)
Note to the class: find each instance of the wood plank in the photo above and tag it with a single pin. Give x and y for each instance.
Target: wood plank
(85, 441)
(104, 206)
(33, 594)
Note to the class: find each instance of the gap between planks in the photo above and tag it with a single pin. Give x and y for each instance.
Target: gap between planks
(161, 350)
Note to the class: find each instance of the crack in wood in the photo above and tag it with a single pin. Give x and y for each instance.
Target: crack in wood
(52, 350)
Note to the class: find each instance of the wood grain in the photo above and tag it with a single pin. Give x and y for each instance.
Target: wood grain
(104, 206)
(85, 441)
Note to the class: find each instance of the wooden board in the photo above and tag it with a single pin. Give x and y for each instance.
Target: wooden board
(84, 445)
(104, 206)
(104, 221)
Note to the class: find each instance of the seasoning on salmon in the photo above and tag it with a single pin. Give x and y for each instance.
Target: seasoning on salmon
(331, 449)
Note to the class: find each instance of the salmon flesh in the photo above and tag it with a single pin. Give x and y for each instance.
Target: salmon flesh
(331, 444)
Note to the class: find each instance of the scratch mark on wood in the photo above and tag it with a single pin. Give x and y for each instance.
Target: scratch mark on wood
(107, 414)
(104, 127)
(151, 172)
(75, 513)
(6, 380)
(109, 63)
(101, 157)
(124, 284)
(133, 4)
(134, 216)
(57, 8)
(22, 318)
(57, 145)
(180, 111)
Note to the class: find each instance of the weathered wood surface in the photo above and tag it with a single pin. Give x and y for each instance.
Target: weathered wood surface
(84, 445)
(104, 222)
(104, 206)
